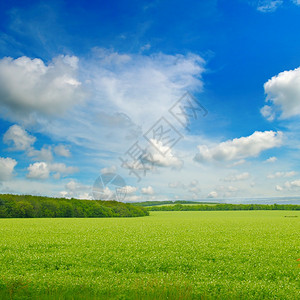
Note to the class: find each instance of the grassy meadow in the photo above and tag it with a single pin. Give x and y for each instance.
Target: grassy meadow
(167, 255)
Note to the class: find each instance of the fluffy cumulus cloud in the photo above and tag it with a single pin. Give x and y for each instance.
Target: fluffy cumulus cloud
(271, 159)
(18, 138)
(154, 155)
(161, 155)
(147, 190)
(212, 194)
(73, 186)
(128, 189)
(38, 170)
(29, 85)
(239, 148)
(42, 170)
(7, 166)
(192, 188)
(74, 189)
(293, 185)
(237, 177)
(118, 86)
(107, 170)
(283, 94)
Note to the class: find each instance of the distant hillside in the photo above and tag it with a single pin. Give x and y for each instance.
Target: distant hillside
(15, 206)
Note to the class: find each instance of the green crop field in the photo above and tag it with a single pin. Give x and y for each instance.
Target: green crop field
(168, 255)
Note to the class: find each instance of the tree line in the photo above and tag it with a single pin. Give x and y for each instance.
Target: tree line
(155, 203)
(203, 207)
(27, 206)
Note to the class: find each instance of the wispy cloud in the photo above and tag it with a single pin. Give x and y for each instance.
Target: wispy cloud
(268, 6)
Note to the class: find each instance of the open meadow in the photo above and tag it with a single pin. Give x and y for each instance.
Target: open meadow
(167, 255)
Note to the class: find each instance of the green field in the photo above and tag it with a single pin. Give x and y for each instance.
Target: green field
(168, 255)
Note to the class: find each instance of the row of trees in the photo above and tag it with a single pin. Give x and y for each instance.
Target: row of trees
(16, 206)
(201, 207)
(155, 203)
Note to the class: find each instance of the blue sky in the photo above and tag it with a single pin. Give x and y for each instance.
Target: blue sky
(82, 82)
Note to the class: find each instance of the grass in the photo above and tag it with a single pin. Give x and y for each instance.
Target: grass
(168, 255)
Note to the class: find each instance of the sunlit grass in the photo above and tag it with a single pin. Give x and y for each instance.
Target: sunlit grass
(174, 255)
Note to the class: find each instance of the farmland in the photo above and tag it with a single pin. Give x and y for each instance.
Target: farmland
(175, 255)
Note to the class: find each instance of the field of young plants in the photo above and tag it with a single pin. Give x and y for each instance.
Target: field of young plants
(167, 255)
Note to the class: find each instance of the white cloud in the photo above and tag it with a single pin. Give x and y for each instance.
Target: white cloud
(77, 190)
(34, 187)
(85, 196)
(45, 154)
(28, 85)
(289, 186)
(237, 177)
(73, 186)
(146, 47)
(156, 157)
(108, 194)
(63, 194)
(238, 163)
(111, 169)
(62, 150)
(227, 191)
(62, 168)
(129, 189)
(193, 186)
(134, 198)
(212, 194)
(226, 188)
(268, 112)
(282, 174)
(129, 83)
(292, 184)
(7, 166)
(38, 170)
(124, 85)
(147, 190)
(283, 91)
(271, 159)
(295, 183)
(152, 156)
(268, 5)
(18, 138)
(240, 148)
(42, 170)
